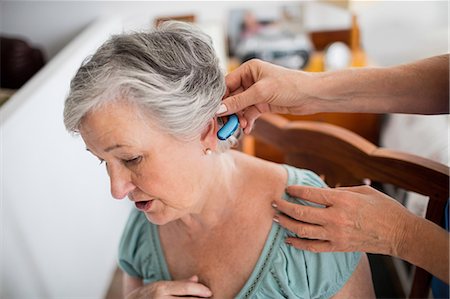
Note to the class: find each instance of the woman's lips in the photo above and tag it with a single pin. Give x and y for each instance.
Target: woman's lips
(144, 205)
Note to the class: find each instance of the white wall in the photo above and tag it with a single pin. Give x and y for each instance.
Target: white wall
(60, 228)
(395, 32)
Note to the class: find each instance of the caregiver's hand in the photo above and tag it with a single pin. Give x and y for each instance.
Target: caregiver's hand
(355, 219)
(257, 87)
(189, 288)
(363, 219)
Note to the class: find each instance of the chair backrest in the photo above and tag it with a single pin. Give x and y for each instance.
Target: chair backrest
(345, 159)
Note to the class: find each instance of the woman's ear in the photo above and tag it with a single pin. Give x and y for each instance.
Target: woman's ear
(209, 135)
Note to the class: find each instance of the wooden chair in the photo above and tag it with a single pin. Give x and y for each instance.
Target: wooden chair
(345, 159)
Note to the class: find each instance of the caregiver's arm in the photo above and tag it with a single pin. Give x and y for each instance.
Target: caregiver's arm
(421, 87)
(189, 288)
(364, 219)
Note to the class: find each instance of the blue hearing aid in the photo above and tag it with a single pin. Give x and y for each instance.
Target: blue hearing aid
(229, 127)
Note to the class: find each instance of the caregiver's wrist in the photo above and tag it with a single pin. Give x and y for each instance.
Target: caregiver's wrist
(409, 227)
(330, 92)
(309, 93)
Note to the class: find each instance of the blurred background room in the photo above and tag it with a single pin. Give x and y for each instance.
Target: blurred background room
(59, 226)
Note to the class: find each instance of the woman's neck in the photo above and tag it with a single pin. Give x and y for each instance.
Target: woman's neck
(235, 180)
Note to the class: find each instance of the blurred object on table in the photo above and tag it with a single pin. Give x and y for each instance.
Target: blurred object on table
(275, 36)
(323, 39)
(337, 57)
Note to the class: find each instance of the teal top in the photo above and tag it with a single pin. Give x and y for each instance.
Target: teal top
(281, 271)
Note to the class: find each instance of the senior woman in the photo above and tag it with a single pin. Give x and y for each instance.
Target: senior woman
(203, 226)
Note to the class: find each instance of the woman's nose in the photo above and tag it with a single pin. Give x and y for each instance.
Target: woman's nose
(121, 183)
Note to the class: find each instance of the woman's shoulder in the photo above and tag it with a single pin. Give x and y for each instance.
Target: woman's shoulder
(136, 248)
(315, 275)
(306, 177)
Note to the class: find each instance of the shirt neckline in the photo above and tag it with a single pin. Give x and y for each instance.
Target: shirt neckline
(260, 269)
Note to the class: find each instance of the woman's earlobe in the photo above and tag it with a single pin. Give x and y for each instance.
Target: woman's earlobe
(207, 151)
(208, 138)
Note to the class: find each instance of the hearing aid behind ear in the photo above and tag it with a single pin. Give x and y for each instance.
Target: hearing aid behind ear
(229, 127)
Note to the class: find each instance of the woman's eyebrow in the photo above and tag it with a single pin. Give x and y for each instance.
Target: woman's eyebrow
(113, 147)
(109, 148)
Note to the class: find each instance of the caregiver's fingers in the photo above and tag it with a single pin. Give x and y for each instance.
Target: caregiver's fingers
(323, 196)
(237, 91)
(314, 215)
(241, 78)
(252, 113)
(301, 229)
(243, 122)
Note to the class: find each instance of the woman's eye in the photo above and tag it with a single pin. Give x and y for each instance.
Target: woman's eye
(133, 161)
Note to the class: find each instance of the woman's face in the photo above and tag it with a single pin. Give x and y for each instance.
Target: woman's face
(162, 175)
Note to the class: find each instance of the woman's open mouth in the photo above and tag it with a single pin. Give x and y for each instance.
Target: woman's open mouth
(144, 205)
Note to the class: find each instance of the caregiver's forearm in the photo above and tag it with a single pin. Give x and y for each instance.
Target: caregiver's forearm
(426, 245)
(421, 87)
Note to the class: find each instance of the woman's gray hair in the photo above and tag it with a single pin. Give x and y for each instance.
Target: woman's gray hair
(171, 73)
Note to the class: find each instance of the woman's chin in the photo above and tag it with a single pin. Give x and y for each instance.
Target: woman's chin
(157, 219)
